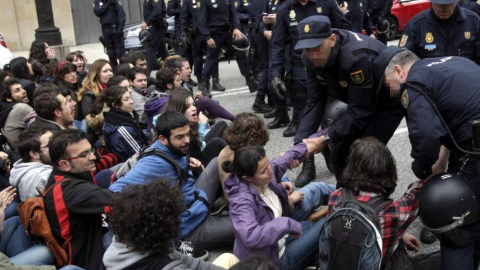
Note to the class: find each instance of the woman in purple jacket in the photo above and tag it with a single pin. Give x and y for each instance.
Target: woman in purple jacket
(269, 217)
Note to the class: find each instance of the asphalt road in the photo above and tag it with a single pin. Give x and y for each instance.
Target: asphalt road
(238, 99)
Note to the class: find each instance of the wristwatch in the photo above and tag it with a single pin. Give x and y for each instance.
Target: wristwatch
(328, 140)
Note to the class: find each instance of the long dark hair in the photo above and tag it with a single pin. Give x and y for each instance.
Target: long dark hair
(63, 68)
(18, 66)
(370, 167)
(245, 161)
(37, 52)
(111, 97)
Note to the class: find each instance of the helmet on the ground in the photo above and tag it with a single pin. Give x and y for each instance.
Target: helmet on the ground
(446, 202)
(382, 25)
(241, 44)
(145, 36)
(334, 111)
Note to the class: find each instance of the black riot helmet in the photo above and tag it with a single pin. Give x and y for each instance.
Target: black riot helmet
(145, 36)
(446, 202)
(382, 25)
(241, 44)
(334, 111)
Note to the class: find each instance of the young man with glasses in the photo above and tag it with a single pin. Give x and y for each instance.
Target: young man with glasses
(75, 206)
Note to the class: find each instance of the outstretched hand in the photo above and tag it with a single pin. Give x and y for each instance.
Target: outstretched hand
(314, 145)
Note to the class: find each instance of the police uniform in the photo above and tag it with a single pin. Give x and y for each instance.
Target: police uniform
(154, 14)
(379, 9)
(428, 36)
(473, 5)
(217, 20)
(243, 12)
(173, 9)
(454, 85)
(357, 16)
(289, 14)
(112, 19)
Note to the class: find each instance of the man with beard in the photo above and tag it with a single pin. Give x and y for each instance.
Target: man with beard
(138, 83)
(32, 171)
(198, 229)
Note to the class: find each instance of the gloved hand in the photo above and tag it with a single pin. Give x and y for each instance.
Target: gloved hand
(184, 40)
(420, 170)
(279, 88)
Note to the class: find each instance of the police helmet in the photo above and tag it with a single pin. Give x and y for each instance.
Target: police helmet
(145, 36)
(446, 202)
(334, 111)
(383, 25)
(241, 44)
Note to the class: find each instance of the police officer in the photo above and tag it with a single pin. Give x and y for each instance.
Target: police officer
(443, 30)
(342, 60)
(379, 13)
(288, 16)
(357, 16)
(112, 19)
(247, 10)
(453, 85)
(154, 14)
(218, 19)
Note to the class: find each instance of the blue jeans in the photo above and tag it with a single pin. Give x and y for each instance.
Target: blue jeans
(315, 195)
(299, 253)
(35, 255)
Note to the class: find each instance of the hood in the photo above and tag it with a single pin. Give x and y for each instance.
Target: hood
(21, 169)
(155, 107)
(233, 185)
(119, 256)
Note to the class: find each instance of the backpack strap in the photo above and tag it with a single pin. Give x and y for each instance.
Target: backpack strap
(379, 203)
(182, 176)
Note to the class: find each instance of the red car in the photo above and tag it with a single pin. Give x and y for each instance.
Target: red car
(402, 12)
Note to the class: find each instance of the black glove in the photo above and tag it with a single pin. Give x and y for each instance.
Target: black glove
(279, 88)
(420, 170)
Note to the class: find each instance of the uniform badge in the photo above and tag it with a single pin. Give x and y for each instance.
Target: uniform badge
(429, 37)
(404, 99)
(236, 4)
(306, 29)
(478, 2)
(213, 1)
(194, 2)
(404, 39)
(362, 5)
(245, 1)
(292, 14)
(100, 4)
(198, 4)
(156, 1)
(357, 77)
(343, 83)
(319, 9)
(276, 2)
(467, 35)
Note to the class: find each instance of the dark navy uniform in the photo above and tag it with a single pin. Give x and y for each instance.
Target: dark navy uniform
(112, 19)
(454, 85)
(289, 14)
(173, 9)
(349, 77)
(154, 14)
(428, 36)
(378, 9)
(357, 16)
(472, 5)
(243, 12)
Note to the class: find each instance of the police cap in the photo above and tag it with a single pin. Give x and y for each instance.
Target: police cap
(312, 31)
(443, 2)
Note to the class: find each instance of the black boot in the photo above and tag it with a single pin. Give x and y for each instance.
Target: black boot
(326, 152)
(293, 127)
(206, 88)
(201, 84)
(192, 82)
(281, 119)
(307, 174)
(271, 114)
(260, 106)
(252, 84)
(427, 237)
(216, 86)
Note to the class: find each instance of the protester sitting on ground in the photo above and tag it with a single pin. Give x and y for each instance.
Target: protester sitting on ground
(22, 70)
(145, 220)
(30, 174)
(254, 262)
(269, 217)
(66, 77)
(96, 81)
(75, 206)
(121, 129)
(14, 108)
(197, 226)
(138, 85)
(40, 55)
(80, 61)
(205, 142)
(371, 172)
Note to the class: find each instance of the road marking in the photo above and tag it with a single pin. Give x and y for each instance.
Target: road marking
(401, 130)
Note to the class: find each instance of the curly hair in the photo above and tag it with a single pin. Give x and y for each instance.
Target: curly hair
(246, 129)
(370, 167)
(147, 217)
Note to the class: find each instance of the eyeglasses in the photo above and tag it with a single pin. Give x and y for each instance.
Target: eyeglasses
(84, 155)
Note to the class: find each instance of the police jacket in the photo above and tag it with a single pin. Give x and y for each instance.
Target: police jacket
(349, 77)
(271, 7)
(289, 14)
(357, 16)
(110, 13)
(470, 5)
(217, 13)
(173, 9)
(154, 11)
(189, 15)
(378, 8)
(454, 85)
(243, 10)
(428, 36)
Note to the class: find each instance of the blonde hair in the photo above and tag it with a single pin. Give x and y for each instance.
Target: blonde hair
(91, 81)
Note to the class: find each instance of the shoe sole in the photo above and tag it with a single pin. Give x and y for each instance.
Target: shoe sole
(318, 214)
(204, 257)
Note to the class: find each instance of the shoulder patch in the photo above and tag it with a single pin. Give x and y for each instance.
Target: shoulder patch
(404, 99)
(357, 77)
(404, 39)
(343, 83)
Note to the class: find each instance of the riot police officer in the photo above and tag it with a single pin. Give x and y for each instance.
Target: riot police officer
(154, 14)
(443, 30)
(112, 19)
(440, 96)
(288, 16)
(342, 61)
(356, 15)
(219, 24)
(379, 13)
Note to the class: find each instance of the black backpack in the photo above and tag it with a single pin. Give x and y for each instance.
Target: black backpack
(351, 237)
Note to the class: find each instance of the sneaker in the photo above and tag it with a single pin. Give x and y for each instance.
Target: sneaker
(186, 248)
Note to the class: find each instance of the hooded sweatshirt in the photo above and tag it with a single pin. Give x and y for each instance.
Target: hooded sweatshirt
(27, 176)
